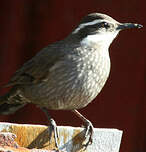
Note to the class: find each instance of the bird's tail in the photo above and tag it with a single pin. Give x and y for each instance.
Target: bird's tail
(7, 107)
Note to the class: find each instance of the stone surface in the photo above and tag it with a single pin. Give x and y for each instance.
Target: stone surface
(71, 139)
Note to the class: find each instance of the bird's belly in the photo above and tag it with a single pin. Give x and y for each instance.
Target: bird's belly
(80, 92)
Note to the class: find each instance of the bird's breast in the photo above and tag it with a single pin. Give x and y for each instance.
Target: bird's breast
(92, 72)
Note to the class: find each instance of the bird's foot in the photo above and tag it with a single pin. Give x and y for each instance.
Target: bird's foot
(89, 130)
(54, 129)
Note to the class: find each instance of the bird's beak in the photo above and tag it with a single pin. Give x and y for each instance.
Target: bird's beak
(128, 26)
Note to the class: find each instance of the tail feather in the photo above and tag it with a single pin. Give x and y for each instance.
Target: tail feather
(10, 103)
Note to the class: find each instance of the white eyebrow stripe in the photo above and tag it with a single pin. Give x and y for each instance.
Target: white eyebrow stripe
(86, 24)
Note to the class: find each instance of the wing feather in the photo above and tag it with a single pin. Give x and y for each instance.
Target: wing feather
(36, 69)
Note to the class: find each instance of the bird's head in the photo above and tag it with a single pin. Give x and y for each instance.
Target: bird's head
(99, 28)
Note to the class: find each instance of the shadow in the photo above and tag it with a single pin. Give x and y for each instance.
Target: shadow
(68, 145)
(42, 140)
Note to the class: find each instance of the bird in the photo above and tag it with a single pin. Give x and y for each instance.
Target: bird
(68, 74)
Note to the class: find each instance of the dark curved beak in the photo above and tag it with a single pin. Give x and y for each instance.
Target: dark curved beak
(128, 26)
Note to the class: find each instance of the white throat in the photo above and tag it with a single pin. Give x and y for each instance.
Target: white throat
(103, 39)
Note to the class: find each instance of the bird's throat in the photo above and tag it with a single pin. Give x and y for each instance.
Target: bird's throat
(102, 40)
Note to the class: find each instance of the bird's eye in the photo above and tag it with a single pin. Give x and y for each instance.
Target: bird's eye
(105, 25)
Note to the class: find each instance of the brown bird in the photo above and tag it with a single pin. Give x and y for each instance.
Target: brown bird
(68, 74)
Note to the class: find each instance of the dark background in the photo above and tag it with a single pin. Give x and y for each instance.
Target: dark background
(26, 26)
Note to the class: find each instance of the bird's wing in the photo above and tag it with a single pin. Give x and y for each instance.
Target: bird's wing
(36, 69)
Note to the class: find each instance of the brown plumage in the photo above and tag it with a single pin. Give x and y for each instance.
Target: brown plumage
(68, 74)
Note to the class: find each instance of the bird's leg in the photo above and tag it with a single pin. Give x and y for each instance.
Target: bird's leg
(88, 126)
(53, 126)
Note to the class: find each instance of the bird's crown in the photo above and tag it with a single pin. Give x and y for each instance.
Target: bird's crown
(94, 23)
